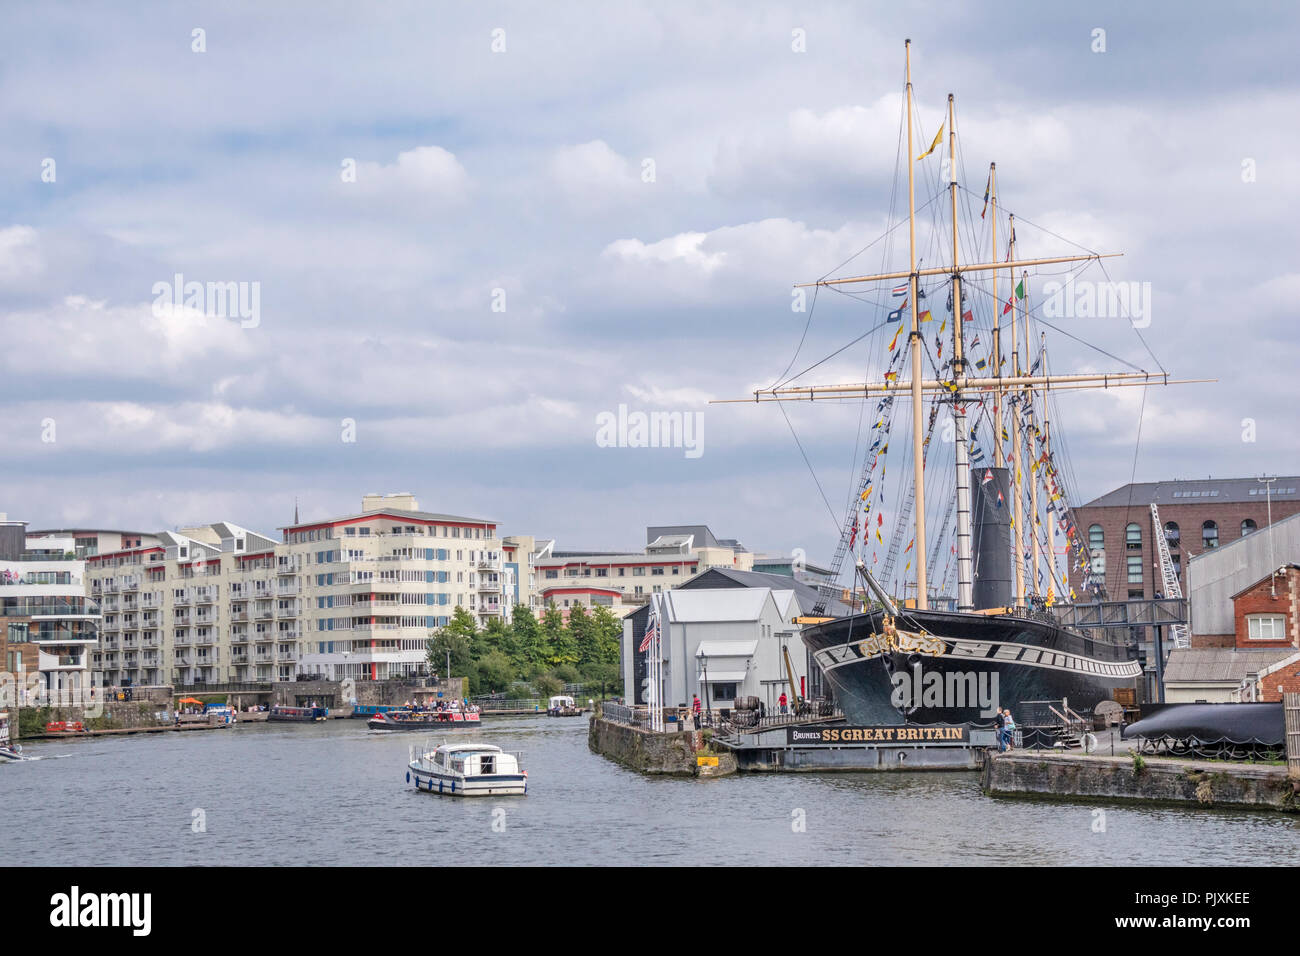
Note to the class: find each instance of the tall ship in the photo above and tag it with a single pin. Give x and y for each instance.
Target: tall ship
(971, 622)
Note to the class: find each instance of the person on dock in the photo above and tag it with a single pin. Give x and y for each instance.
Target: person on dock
(695, 710)
(1000, 725)
(783, 701)
(1009, 728)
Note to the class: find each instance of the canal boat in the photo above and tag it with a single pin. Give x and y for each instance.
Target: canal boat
(999, 523)
(424, 719)
(562, 705)
(467, 770)
(300, 715)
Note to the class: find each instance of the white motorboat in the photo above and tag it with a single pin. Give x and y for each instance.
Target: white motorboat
(8, 751)
(467, 770)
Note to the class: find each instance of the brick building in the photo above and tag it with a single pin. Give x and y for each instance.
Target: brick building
(1195, 517)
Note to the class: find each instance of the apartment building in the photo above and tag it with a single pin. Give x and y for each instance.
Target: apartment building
(627, 579)
(353, 596)
(375, 583)
(176, 608)
(47, 624)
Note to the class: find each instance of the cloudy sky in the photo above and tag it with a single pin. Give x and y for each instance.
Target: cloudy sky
(642, 182)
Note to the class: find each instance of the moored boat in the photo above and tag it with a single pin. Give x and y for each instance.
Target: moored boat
(561, 705)
(467, 770)
(300, 715)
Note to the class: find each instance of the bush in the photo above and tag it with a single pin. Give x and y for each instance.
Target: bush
(547, 685)
(566, 674)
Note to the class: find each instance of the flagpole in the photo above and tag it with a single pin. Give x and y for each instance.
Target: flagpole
(918, 458)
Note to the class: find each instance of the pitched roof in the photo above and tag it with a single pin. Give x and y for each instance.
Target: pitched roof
(1220, 664)
(806, 594)
(1179, 491)
(717, 604)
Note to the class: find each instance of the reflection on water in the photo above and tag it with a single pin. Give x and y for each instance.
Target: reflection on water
(335, 793)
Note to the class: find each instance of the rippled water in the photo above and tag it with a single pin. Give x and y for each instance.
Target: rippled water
(335, 793)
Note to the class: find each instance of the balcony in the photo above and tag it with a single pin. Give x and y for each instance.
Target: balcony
(239, 638)
(291, 611)
(182, 639)
(150, 599)
(205, 595)
(182, 599)
(131, 584)
(240, 614)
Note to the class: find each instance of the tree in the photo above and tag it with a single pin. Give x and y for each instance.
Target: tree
(497, 636)
(446, 640)
(556, 638)
(582, 630)
(462, 623)
(608, 635)
(529, 652)
(495, 672)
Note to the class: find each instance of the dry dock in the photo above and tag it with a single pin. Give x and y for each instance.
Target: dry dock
(1168, 780)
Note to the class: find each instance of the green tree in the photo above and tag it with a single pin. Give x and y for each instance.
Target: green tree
(583, 632)
(495, 672)
(446, 640)
(608, 635)
(498, 636)
(557, 639)
(529, 652)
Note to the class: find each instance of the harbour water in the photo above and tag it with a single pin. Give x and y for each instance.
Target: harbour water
(335, 793)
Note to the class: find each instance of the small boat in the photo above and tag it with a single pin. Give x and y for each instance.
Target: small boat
(423, 719)
(562, 706)
(467, 770)
(300, 715)
(8, 751)
(360, 711)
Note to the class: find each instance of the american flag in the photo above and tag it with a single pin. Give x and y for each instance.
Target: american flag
(650, 630)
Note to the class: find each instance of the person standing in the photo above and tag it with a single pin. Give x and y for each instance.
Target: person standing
(695, 710)
(999, 725)
(1010, 729)
(783, 701)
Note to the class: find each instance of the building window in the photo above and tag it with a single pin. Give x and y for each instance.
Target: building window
(1096, 538)
(1133, 537)
(722, 693)
(1248, 526)
(1135, 570)
(1266, 627)
(1210, 535)
(1172, 534)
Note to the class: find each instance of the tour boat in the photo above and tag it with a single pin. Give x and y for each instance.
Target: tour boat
(467, 770)
(298, 714)
(423, 719)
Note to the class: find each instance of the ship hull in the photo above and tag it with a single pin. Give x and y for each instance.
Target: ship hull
(942, 667)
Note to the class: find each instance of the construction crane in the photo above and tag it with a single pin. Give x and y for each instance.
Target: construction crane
(1172, 588)
(796, 698)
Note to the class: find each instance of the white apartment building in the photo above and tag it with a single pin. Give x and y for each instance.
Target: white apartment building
(171, 608)
(354, 596)
(626, 580)
(375, 583)
(44, 608)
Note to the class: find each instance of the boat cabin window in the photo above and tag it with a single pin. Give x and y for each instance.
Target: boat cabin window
(487, 763)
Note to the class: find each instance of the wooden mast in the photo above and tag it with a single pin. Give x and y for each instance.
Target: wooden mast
(1017, 518)
(1028, 398)
(965, 574)
(918, 459)
(999, 452)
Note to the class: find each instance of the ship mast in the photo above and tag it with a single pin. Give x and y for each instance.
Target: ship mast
(918, 457)
(1017, 519)
(1028, 400)
(999, 453)
(965, 575)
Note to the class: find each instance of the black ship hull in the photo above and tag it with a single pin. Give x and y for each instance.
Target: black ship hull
(946, 667)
